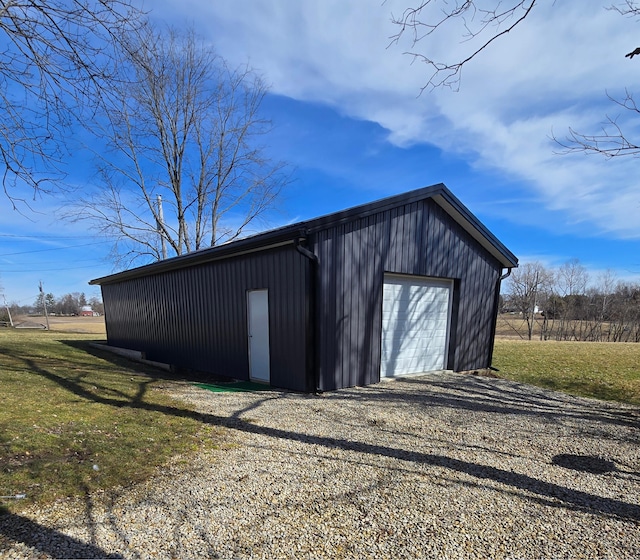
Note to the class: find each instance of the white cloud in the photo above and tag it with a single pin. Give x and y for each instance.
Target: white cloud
(550, 73)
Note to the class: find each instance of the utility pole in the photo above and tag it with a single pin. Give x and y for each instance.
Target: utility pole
(8, 311)
(44, 304)
(161, 227)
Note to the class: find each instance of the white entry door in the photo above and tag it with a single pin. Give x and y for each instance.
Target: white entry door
(258, 323)
(416, 314)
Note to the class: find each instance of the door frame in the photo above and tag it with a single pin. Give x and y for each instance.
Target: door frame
(258, 349)
(448, 282)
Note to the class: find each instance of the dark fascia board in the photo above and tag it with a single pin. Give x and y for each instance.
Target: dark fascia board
(439, 193)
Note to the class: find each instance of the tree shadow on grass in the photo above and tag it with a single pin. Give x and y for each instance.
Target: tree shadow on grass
(522, 483)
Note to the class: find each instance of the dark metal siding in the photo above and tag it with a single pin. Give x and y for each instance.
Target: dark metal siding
(196, 317)
(418, 239)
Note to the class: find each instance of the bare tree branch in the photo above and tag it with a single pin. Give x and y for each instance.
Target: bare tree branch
(431, 17)
(55, 62)
(610, 141)
(628, 8)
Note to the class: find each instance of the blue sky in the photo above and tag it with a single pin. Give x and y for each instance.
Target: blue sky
(349, 119)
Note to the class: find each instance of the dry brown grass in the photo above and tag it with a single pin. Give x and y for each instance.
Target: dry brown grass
(86, 325)
(514, 327)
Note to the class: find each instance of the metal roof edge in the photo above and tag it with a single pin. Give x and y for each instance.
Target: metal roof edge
(442, 196)
(259, 242)
(463, 216)
(439, 193)
(369, 208)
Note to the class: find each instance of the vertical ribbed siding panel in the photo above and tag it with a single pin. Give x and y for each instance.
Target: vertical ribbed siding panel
(325, 249)
(346, 290)
(485, 311)
(476, 278)
(379, 238)
(480, 339)
(210, 310)
(371, 300)
(358, 257)
(361, 257)
(410, 234)
(359, 272)
(440, 266)
(176, 295)
(239, 336)
(465, 296)
(195, 318)
(226, 321)
(203, 305)
(341, 311)
(194, 331)
(394, 241)
(488, 310)
(449, 243)
(419, 240)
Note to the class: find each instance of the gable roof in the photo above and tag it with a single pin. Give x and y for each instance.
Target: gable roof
(286, 235)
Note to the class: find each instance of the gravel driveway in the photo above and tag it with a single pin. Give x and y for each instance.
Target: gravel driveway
(442, 465)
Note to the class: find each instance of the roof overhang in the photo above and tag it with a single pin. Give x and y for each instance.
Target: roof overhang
(262, 242)
(288, 235)
(475, 228)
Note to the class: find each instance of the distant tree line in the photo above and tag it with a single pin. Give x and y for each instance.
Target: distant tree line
(564, 304)
(67, 305)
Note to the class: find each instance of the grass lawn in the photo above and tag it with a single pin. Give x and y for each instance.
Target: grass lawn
(602, 370)
(74, 419)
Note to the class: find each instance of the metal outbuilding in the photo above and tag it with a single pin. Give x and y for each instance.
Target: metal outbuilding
(402, 285)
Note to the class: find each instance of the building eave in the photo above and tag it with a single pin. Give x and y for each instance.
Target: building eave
(439, 193)
(261, 242)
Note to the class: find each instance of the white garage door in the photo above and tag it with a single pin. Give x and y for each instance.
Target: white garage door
(416, 313)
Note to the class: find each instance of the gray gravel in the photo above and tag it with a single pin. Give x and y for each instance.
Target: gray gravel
(442, 465)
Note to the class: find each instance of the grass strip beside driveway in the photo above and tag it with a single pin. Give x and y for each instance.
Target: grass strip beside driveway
(75, 420)
(600, 370)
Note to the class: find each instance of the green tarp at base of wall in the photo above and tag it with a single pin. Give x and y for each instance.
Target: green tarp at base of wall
(235, 387)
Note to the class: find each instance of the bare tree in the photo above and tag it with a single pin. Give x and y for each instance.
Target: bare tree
(184, 167)
(572, 278)
(627, 8)
(624, 325)
(607, 283)
(566, 304)
(529, 285)
(610, 141)
(55, 59)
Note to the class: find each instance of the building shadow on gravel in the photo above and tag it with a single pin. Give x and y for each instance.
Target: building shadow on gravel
(46, 541)
(479, 394)
(546, 492)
